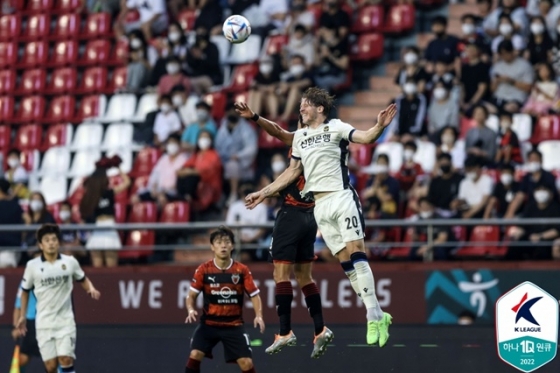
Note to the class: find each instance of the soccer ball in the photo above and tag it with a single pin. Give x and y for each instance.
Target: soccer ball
(236, 29)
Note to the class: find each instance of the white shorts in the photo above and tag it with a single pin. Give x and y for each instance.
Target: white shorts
(340, 219)
(57, 342)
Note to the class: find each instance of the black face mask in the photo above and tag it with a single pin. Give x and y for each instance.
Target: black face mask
(439, 34)
(446, 168)
(233, 119)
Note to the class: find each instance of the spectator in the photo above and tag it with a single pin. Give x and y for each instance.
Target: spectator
(540, 237)
(264, 86)
(203, 170)
(449, 143)
(161, 123)
(302, 43)
(512, 10)
(504, 192)
(512, 78)
(508, 33)
(204, 122)
(153, 18)
(162, 183)
(441, 235)
(471, 35)
(17, 175)
(296, 80)
(411, 69)
(443, 47)
(474, 191)
(334, 17)
(236, 142)
(411, 113)
(509, 150)
(381, 235)
(203, 62)
(535, 176)
(444, 188)
(70, 240)
(138, 68)
(299, 16)
(383, 186)
(545, 93)
(475, 80)
(210, 16)
(552, 14)
(484, 8)
(277, 166)
(440, 74)
(331, 60)
(539, 48)
(12, 214)
(481, 141)
(98, 206)
(37, 214)
(410, 170)
(179, 99)
(173, 77)
(174, 45)
(272, 15)
(443, 110)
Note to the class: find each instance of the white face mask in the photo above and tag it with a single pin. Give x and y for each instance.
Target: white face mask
(13, 162)
(380, 169)
(297, 70)
(506, 179)
(425, 214)
(541, 196)
(447, 139)
(409, 88)
(408, 154)
(204, 143)
(172, 148)
(410, 58)
(172, 68)
(174, 36)
(470, 175)
(532, 167)
(505, 29)
(177, 101)
(278, 166)
(36, 205)
(265, 68)
(440, 93)
(468, 28)
(201, 115)
(505, 126)
(165, 108)
(135, 43)
(64, 215)
(537, 28)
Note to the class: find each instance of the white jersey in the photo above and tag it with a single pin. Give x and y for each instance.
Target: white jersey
(52, 284)
(323, 151)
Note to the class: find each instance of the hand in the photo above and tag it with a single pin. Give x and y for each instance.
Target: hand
(16, 333)
(254, 199)
(515, 233)
(191, 318)
(94, 293)
(422, 250)
(385, 117)
(259, 322)
(243, 110)
(535, 237)
(22, 325)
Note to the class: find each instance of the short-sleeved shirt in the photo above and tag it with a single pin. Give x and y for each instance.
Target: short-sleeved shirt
(166, 124)
(223, 291)
(472, 76)
(442, 192)
(528, 185)
(190, 134)
(473, 192)
(31, 303)
(52, 284)
(552, 210)
(520, 70)
(323, 151)
(505, 196)
(442, 49)
(339, 19)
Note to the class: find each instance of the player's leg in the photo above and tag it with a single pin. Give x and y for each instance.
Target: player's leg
(246, 365)
(28, 347)
(47, 348)
(284, 295)
(202, 342)
(195, 359)
(65, 342)
(237, 347)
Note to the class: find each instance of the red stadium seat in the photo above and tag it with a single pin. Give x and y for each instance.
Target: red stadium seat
(5, 137)
(145, 212)
(39, 6)
(186, 19)
(362, 154)
(481, 234)
(8, 54)
(317, 10)
(370, 19)
(61, 109)
(242, 77)
(10, 27)
(16, 5)
(65, 53)
(119, 56)
(89, 108)
(32, 82)
(75, 195)
(466, 125)
(35, 54)
(67, 27)
(347, 83)
(63, 80)
(140, 183)
(402, 252)
(7, 81)
(29, 137)
(67, 6)
(218, 101)
(267, 141)
(175, 212)
(38, 27)
(6, 108)
(94, 80)
(57, 135)
(118, 79)
(31, 109)
(275, 43)
(241, 97)
(400, 19)
(98, 26)
(368, 47)
(96, 53)
(120, 212)
(30, 159)
(145, 162)
(547, 128)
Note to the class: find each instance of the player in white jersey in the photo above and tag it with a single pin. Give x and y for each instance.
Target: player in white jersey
(51, 278)
(320, 151)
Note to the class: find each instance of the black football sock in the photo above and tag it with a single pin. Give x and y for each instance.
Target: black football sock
(284, 297)
(313, 301)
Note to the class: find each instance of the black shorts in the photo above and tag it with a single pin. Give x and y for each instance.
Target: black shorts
(29, 345)
(294, 234)
(234, 339)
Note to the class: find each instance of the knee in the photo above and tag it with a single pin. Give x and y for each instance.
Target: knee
(23, 359)
(356, 246)
(51, 366)
(281, 274)
(65, 361)
(245, 363)
(197, 355)
(303, 278)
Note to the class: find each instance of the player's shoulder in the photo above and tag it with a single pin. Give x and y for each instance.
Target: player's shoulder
(337, 124)
(239, 267)
(35, 262)
(205, 266)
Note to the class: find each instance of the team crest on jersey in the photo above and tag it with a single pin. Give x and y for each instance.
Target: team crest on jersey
(235, 278)
(326, 129)
(64, 267)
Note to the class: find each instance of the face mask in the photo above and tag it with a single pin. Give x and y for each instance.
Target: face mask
(201, 115)
(506, 179)
(541, 196)
(381, 169)
(64, 215)
(233, 119)
(410, 58)
(172, 148)
(439, 34)
(532, 167)
(425, 214)
(36, 205)
(447, 139)
(470, 176)
(408, 154)
(537, 28)
(177, 101)
(265, 68)
(409, 88)
(174, 36)
(165, 108)
(446, 168)
(506, 29)
(172, 68)
(135, 43)
(468, 28)
(204, 143)
(297, 70)
(440, 93)
(278, 166)
(13, 162)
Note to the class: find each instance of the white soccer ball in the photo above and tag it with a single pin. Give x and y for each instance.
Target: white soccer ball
(236, 29)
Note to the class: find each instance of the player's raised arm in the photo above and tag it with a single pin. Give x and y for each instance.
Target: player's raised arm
(272, 128)
(370, 136)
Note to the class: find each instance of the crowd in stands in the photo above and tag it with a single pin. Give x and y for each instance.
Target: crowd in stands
(455, 149)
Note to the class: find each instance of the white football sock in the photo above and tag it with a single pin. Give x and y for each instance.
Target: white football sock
(353, 277)
(366, 285)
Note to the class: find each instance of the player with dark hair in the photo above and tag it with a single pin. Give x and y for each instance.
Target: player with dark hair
(51, 276)
(223, 283)
(320, 151)
(292, 250)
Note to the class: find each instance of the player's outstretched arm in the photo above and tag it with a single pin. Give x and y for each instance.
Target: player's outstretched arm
(272, 128)
(192, 314)
(257, 306)
(87, 285)
(286, 178)
(383, 120)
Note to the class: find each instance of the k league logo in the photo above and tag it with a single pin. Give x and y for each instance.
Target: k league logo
(527, 327)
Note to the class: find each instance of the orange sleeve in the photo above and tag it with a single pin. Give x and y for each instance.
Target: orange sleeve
(249, 283)
(197, 283)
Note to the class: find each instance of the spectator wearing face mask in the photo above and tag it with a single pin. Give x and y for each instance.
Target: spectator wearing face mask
(180, 102)
(292, 84)
(508, 33)
(411, 69)
(410, 170)
(539, 47)
(138, 68)
(481, 141)
(209, 16)
(331, 60)
(172, 46)
(449, 143)
(70, 240)
(509, 150)
(173, 77)
(443, 47)
(263, 88)
(544, 94)
(443, 110)
(503, 193)
(543, 205)
(166, 121)
(301, 43)
(444, 188)
(299, 16)
(334, 17)
(17, 175)
(471, 35)
(475, 80)
(203, 62)
(512, 10)
(12, 214)
(440, 74)
(204, 122)
(153, 17)
(474, 191)
(382, 185)
(411, 113)
(37, 214)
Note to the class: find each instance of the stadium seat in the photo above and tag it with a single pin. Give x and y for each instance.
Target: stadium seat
(83, 163)
(98, 26)
(267, 141)
(223, 45)
(67, 27)
(316, 9)
(5, 137)
(400, 19)
(39, 6)
(547, 128)
(94, 80)
(38, 27)
(466, 125)
(76, 190)
(56, 161)
(274, 44)
(147, 103)
(480, 234)
(426, 155)
(96, 53)
(114, 181)
(65, 53)
(31, 109)
(242, 78)
(368, 47)
(88, 136)
(54, 189)
(120, 213)
(523, 126)
(402, 252)
(145, 212)
(30, 159)
(58, 135)
(119, 55)
(139, 183)
(6, 109)
(118, 136)
(10, 27)
(35, 54)
(395, 152)
(144, 162)
(362, 154)
(244, 53)
(32, 82)
(7, 81)
(67, 6)
(121, 107)
(550, 150)
(241, 97)
(29, 137)
(186, 19)
(63, 81)
(370, 19)
(175, 212)
(61, 109)
(91, 107)
(8, 54)
(118, 80)
(218, 101)
(126, 165)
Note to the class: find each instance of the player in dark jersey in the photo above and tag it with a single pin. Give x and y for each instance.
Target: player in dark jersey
(223, 283)
(292, 250)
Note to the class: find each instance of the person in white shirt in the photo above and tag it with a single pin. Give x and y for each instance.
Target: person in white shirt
(51, 278)
(320, 151)
(166, 121)
(475, 190)
(153, 17)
